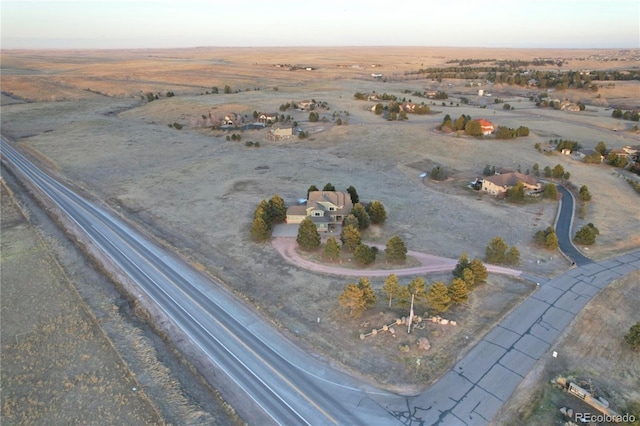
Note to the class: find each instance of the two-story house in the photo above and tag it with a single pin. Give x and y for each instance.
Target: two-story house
(325, 208)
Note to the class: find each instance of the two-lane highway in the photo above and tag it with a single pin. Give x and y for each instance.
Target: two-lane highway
(287, 393)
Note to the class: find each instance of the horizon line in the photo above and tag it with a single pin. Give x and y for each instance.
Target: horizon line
(318, 47)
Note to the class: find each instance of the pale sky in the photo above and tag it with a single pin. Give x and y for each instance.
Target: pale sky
(190, 23)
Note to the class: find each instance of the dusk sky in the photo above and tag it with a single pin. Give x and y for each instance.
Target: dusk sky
(190, 23)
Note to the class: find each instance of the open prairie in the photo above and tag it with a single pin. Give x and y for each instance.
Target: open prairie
(85, 116)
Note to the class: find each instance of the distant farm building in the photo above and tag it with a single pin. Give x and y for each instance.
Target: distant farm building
(280, 131)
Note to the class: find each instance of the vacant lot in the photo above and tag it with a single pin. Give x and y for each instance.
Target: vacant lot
(197, 191)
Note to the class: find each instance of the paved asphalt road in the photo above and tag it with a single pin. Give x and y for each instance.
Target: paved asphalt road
(286, 386)
(564, 228)
(290, 387)
(473, 391)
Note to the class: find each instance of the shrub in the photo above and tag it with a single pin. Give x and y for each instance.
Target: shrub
(633, 337)
(586, 235)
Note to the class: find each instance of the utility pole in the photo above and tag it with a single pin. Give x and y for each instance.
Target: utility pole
(410, 315)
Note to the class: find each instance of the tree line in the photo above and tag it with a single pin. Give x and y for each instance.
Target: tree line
(438, 297)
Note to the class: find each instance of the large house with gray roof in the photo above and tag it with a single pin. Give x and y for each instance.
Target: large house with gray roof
(325, 208)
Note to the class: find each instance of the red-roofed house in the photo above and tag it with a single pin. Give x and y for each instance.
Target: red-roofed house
(486, 126)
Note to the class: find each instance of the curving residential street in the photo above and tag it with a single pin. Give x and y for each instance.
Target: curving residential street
(282, 384)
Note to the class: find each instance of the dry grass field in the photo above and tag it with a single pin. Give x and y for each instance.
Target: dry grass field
(57, 366)
(197, 192)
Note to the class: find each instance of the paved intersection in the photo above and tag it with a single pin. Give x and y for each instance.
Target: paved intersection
(480, 383)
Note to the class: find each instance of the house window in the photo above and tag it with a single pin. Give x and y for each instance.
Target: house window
(317, 214)
(331, 209)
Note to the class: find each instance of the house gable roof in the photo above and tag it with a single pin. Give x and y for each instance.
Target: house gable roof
(510, 179)
(325, 199)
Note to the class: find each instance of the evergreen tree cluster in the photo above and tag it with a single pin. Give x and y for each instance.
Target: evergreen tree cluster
(267, 214)
(504, 132)
(437, 297)
(587, 235)
(546, 238)
(498, 253)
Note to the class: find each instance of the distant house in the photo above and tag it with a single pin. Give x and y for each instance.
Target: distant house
(280, 131)
(632, 149)
(499, 184)
(619, 152)
(305, 105)
(430, 94)
(569, 106)
(486, 126)
(408, 107)
(376, 75)
(591, 153)
(267, 118)
(231, 119)
(325, 208)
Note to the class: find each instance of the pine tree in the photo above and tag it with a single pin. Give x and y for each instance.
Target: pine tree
(331, 249)
(512, 257)
(277, 209)
(377, 213)
(350, 220)
(312, 188)
(368, 294)
(463, 263)
(264, 211)
(352, 298)
(403, 297)
(396, 251)
(496, 251)
(329, 187)
(551, 241)
(438, 297)
(550, 191)
(585, 195)
(354, 195)
(308, 236)
(418, 287)
(259, 230)
(586, 235)
(391, 287)
(361, 214)
(350, 237)
(458, 291)
(364, 254)
(468, 278)
(480, 273)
